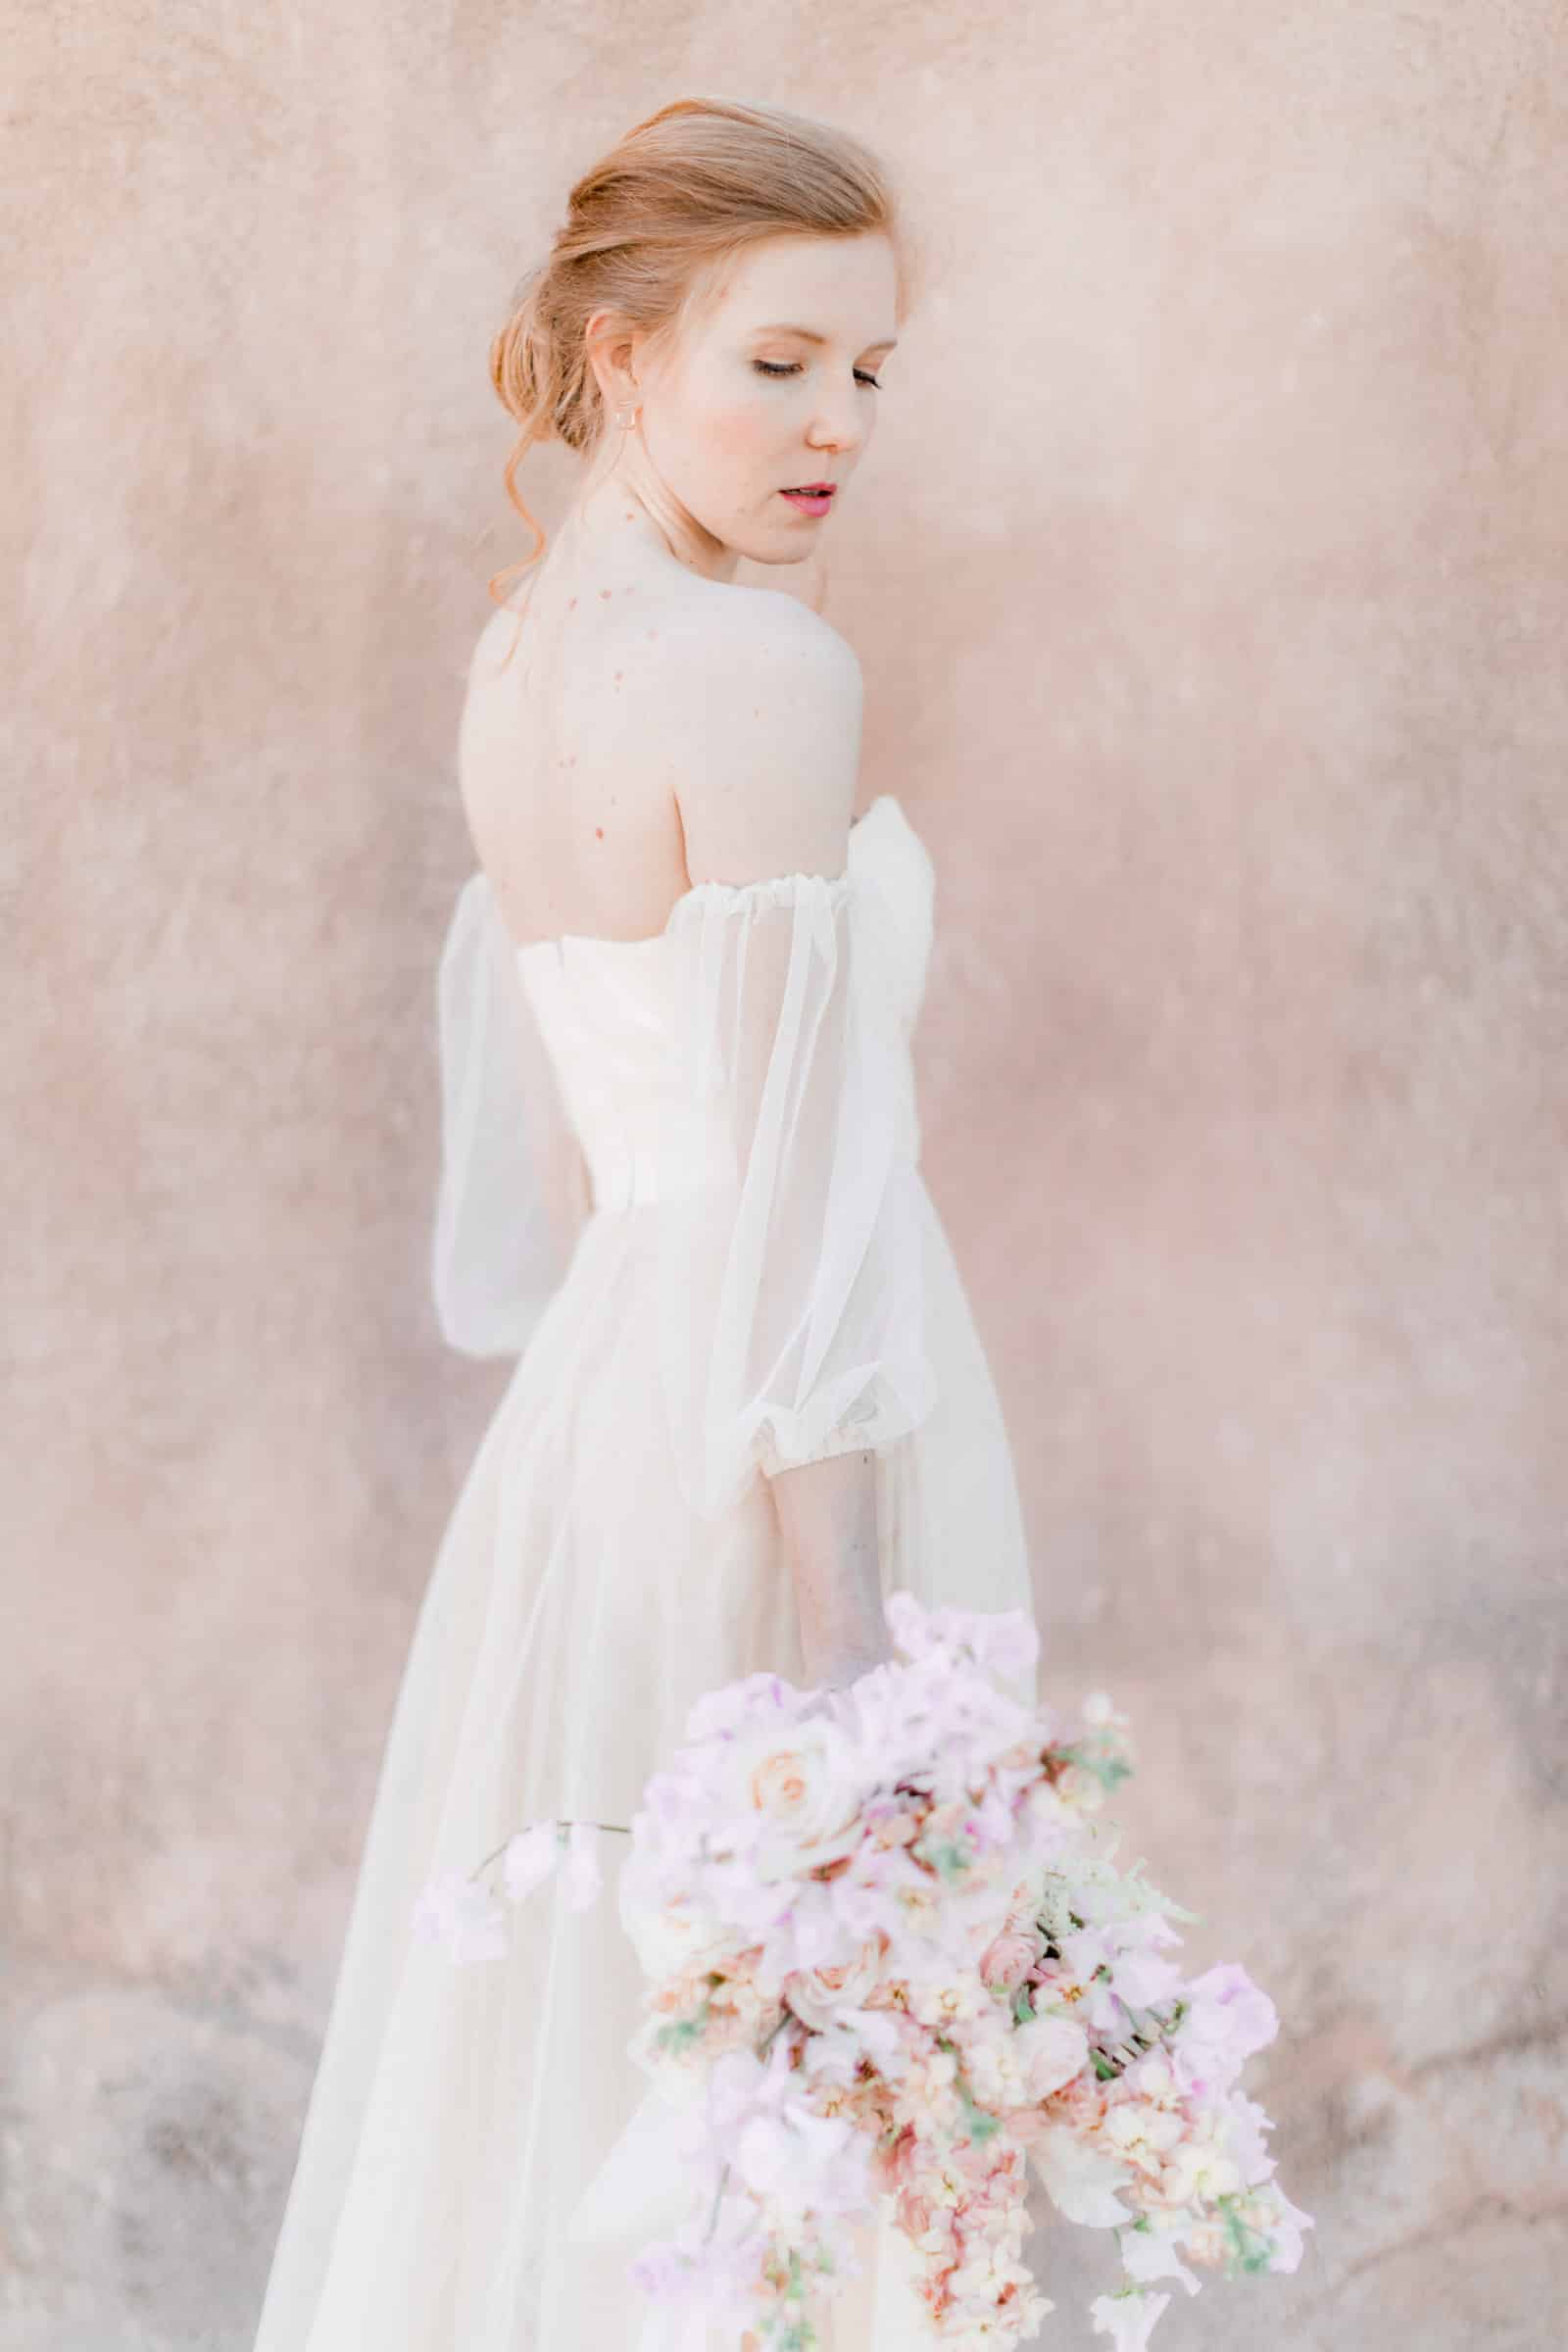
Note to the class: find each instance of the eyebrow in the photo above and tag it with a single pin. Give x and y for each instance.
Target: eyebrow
(782, 327)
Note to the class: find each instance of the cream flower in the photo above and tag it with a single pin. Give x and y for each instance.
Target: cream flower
(1081, 2181)
(1128, 2317)
(801, 1785)
(1144, 2134)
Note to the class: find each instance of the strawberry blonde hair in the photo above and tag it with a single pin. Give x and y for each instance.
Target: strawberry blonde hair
(681, 193)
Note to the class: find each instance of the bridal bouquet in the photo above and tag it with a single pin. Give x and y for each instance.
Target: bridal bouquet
(887, 1954)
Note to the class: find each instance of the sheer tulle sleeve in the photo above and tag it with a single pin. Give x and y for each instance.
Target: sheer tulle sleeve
(497, 1253)
(791, 1292)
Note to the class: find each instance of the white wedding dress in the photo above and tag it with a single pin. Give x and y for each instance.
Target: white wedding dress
(762, 1280)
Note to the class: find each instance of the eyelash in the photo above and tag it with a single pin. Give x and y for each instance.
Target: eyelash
(776, 368)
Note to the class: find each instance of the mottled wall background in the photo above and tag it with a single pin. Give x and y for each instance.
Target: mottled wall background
(1210, 574)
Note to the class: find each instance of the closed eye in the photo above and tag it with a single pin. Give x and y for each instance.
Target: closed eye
(778, 368)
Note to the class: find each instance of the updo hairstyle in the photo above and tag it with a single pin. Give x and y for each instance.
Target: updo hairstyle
(683, 191)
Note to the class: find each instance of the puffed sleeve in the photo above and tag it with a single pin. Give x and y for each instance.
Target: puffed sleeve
(790, 1290)
(497, 1254)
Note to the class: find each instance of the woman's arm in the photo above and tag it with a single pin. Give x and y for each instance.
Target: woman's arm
(827, 1510)
(763, 739)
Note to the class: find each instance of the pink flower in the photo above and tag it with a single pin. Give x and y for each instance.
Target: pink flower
(1004, 1641)
(529, 1857)
(738, 1705)
(838, 1897)
(581, 1873)
(1142, 1976)
(1082, 2104)
(890, 1828)
(912, 2213)
(1009, 1960)
(1051, 2051)
(1286, 2224)
(456, 1910)
(1228, 2019)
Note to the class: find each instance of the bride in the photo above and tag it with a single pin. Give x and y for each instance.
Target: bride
(681, 1185)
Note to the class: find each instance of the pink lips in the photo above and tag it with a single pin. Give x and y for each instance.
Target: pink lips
(814, 498)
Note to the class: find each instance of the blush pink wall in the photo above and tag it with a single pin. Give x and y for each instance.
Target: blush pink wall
(1210, 576)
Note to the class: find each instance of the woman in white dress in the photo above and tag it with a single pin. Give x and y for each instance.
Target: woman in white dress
(748, 1397)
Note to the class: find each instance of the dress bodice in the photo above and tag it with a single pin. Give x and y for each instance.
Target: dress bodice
(606, 1011)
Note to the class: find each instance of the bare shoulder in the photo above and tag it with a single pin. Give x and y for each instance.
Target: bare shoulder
(766, 625)
(764, 702)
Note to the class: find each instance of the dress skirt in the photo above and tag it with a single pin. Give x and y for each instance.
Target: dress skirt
(577, 1608)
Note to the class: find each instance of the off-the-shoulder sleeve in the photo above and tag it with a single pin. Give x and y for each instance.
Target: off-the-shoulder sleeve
(496, 1253)
(790, 1290)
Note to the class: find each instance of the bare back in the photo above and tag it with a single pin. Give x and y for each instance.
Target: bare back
(603, 767)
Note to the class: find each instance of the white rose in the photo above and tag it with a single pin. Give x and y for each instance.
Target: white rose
(798, 1788)
(818, 1995)
(669, 1936)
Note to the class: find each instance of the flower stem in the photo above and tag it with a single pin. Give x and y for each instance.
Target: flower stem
(618, 1827)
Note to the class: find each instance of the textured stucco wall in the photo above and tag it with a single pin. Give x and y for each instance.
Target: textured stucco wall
(1209, 577)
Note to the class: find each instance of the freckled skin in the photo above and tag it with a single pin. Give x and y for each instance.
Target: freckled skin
(736, 410)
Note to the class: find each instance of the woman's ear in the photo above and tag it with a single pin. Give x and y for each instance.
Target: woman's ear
(611, 346)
